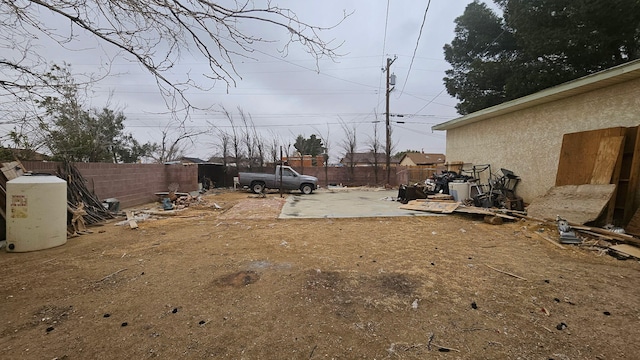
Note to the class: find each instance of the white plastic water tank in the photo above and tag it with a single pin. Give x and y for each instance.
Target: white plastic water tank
(36, 213)
(459, 191)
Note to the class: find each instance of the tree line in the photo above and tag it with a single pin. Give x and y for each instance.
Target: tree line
(534, 45)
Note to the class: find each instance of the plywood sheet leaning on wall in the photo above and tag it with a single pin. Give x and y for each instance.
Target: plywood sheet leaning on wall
(606, 159)
(634, 225)
(579, 153)
(630, 175)
(604, 156)
(576, 203)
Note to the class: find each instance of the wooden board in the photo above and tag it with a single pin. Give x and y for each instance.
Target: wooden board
(576, 203)
(627, 249)
(431, 206)
(633, 176)
(634, 225)
(482, 211)
(578, 154)
(606, 159)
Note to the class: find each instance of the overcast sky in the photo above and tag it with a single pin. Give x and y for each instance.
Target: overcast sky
(290, 96)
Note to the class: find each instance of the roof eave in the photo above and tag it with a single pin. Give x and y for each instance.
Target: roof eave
(614, 75)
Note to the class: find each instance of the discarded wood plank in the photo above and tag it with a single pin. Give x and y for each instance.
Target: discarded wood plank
(577, 203)
(505, 272)
(132, 221)
(112, 274)
(481, 211)
(550, 240)
(431, 206)
(601, 236)
(440, 197)
(493, 220)
(620, 237)
(627, 249)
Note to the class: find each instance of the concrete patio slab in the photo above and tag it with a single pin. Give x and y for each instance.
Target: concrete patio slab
(346, 203)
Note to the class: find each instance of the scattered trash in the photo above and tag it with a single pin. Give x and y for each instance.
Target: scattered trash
(201, 322)
(124, 324)
(167, 204)
(607, 313)
(545, 311)
(474, 306)
(614, 229)
(50, 329)
(106, 315)
(561, 326)
(567, 235)
(175, 310)
(414, 304)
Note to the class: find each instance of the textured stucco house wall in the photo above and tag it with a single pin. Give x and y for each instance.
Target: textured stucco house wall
(525, 135)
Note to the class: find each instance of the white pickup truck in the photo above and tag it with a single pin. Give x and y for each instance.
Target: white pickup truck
(291, 180)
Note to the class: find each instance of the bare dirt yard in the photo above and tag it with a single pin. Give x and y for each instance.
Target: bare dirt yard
(239, 283)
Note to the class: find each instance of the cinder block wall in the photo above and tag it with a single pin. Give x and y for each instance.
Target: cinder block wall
(131, 184)
(362, 176)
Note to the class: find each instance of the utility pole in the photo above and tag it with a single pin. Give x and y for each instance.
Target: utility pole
(388, 124)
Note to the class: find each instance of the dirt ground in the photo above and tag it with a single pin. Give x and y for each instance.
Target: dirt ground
(239, 283)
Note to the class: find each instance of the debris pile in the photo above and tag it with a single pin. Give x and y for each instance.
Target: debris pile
(79, 196)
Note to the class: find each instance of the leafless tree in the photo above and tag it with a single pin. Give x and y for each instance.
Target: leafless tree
(175, 141)
(349, 145)
(273, 147)
(248, 139)
(259, 143)
(325, 137)
(235, 138)
(223, 145)
(375, 147)
(156, 34)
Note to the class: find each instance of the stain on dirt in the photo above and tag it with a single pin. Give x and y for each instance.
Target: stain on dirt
(238, 279)
(398, 284)
(323, 280)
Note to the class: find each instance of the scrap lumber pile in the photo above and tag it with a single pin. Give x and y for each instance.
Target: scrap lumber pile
(8, 171)
(597, 181)
(78, 193)
(434, 205)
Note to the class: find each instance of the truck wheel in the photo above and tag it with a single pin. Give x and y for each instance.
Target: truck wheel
(306, 189)
(257, 187)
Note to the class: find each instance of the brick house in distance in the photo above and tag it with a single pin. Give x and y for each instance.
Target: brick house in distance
(422, 159)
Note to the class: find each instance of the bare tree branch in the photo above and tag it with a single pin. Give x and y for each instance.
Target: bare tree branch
(156, 34)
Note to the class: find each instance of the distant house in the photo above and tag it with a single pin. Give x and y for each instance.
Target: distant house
(305, 160)
(191, 160)
(367, 159)
(9, 154)
(422, 159)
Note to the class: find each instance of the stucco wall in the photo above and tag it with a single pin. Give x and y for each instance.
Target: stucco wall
(528, 142)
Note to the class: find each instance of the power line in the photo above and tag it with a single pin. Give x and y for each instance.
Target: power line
(384, 45)
(424, 20)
